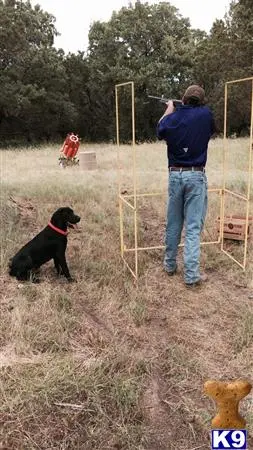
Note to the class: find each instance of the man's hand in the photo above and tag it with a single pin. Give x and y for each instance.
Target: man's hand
(170, 109)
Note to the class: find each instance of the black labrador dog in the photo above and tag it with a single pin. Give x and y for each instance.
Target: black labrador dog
(50, 243)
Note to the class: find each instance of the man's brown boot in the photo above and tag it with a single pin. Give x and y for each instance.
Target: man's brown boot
(203, 279)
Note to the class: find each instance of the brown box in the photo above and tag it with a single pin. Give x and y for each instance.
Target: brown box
(88, 160)
(235, 227)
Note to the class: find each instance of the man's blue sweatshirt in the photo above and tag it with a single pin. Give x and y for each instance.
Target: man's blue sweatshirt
(187, 132)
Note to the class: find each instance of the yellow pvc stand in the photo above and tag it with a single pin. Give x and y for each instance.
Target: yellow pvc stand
(131, 200)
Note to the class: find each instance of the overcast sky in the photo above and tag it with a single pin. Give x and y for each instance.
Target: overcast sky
(73, 18)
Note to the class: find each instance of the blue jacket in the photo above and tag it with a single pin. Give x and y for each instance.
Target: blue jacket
(187, 132)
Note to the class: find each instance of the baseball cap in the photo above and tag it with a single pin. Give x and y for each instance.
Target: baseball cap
(195, 92)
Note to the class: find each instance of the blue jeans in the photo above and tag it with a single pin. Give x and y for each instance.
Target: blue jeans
(187, 206)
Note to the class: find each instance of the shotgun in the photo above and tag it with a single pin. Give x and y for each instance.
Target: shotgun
(165, 100)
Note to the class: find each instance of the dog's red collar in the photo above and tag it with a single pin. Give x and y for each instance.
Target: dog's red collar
(57, 229)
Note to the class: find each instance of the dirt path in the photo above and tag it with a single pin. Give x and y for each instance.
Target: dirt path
(196, 333)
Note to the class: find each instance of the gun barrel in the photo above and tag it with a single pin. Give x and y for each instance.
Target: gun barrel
(161, 99)
(165, 100)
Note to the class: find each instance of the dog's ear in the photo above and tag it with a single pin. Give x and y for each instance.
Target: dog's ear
(58, 218)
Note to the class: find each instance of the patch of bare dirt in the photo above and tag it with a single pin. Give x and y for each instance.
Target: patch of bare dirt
(151, 226)
(159, 434)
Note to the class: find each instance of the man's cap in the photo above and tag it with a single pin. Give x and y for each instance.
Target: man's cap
(195, 92)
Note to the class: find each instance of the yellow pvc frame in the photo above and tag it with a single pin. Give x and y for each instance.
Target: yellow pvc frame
(225, 191)
(126, 198)
(121, 196)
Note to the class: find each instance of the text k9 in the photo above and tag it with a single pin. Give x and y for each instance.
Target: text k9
(229, 439)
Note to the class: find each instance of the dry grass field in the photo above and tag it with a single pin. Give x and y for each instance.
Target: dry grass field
(104, 364)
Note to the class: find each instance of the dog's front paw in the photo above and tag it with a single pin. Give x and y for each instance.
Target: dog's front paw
(72, 280)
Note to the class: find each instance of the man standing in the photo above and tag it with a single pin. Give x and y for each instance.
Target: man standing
(187, 131)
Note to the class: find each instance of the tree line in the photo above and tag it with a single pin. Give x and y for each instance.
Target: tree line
(46, 93)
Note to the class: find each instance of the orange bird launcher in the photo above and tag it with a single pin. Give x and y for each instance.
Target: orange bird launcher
(69, 150)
